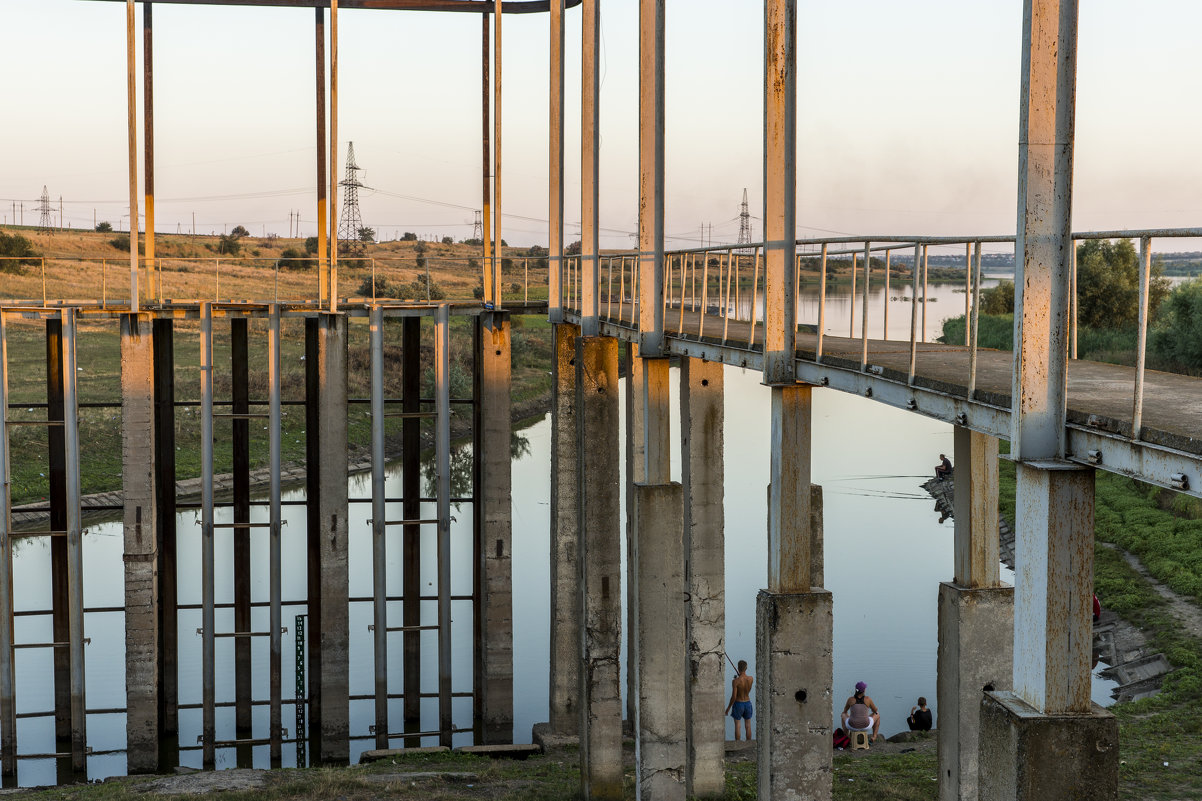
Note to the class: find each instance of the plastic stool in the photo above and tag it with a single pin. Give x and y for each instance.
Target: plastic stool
(859, 739)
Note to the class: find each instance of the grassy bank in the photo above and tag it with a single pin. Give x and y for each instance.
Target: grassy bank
(457, 777)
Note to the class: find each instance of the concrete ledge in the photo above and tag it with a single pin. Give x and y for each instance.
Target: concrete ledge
(1026, 755)
(389, 753)
(502, 751)
(548, 740)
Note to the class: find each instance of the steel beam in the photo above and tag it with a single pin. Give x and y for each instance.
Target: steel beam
(8, 697)
(323, 279)
(132, 105)
(780, 189)
(498, 262)
(486, 142)
(651, 179)
(379, 530)
(590, 147)
(442, 457)
(1044, 240)
(275, 615)
(555, 266)
(411, 510)
(208, 641)
(79, 737)
(240, 448)
(148, 137)
(164, 464)
(57, 458)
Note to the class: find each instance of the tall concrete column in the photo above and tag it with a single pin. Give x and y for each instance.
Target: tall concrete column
(496, 522)
(635, 473)
(702, 417)
(1049, 711)
(326, 407)
(141, 545)
(976, 617)
(599, 567)
(794, 621)
(564, 672)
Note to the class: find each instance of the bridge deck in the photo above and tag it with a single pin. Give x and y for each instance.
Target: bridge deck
(1100, 395)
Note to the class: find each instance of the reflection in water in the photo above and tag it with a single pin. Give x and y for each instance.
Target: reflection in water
(461, 467)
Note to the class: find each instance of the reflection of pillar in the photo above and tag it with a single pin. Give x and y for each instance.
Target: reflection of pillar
(1049, 711)
(794, 623)
(564, 673)
(599, 567)
(494, 432)
(141, 547)
(326, 396)
(164, 463)
(702, 474)
(976, 617)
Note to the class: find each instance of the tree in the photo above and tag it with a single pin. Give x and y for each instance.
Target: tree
(367, 234)
(572, 249)
(18, 251)
(1177, 337)
(311, 245)
(228, 245)
(104, 227)
(1108, 284)
(446, 240)
(409, 236)
(294, 259)
(239, 231)
(998, 299)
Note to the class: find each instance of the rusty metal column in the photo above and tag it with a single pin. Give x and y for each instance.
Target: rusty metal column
(322, 203)
(333, 306)
(442, 458)
(208, 641)
(976, 617)
(590, 146)
(240, 447)
(1050, 708)
(79, 737)
(8, 697)
(148, 137)
(555, 272)
(142, 612)
(411, 510)
(495, 512)
(485, 101)
(275, 617)
(57, 458)
(379, 529)
(164, 463)
(780, 190)
(498, 262)
(132, 104)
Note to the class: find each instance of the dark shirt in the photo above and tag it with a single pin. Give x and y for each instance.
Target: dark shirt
(920, 720)
(947, 464)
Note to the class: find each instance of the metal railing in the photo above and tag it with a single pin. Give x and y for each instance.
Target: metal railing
(717, 294)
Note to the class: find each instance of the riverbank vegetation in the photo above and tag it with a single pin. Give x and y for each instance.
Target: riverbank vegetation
(1160, 738)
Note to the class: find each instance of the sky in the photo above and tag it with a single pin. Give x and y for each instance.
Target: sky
(908, 117)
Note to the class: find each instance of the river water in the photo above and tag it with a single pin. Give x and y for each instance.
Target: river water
(886, 552)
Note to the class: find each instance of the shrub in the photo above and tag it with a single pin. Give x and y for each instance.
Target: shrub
(293, 259)
(446, 240)
(121, 242)
(1177, 337)
(409, 236)
(228, 245)
(311, 245)
(104, 227)
(18, 251)
(414, 290)
(998, 299)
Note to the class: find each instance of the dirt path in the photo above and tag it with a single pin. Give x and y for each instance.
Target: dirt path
(1188, 614)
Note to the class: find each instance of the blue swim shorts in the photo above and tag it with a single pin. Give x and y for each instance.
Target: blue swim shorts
(742, 710)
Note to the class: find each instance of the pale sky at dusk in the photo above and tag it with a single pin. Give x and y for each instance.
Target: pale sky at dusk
(908, 116)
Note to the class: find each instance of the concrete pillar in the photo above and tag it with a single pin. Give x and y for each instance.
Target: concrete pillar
(794, 622)
(976, 618)
(329, 702)
(636, 467)
(975, 651)
(141, 545)
(658, 576)
(599, 565)
(702, 476)
(496, 524)
(564, 672)
(793, 694)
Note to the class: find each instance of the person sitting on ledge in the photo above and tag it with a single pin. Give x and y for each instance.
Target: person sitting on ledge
(920, 717)
(944, 468)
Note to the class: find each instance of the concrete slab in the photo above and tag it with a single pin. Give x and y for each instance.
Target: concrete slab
(502, 750)
(391, 753)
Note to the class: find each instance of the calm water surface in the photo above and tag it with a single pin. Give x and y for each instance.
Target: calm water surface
(886, 552)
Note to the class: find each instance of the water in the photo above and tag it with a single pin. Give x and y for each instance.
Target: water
(886, 552)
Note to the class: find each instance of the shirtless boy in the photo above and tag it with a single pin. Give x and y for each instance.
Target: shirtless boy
(739, 707)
